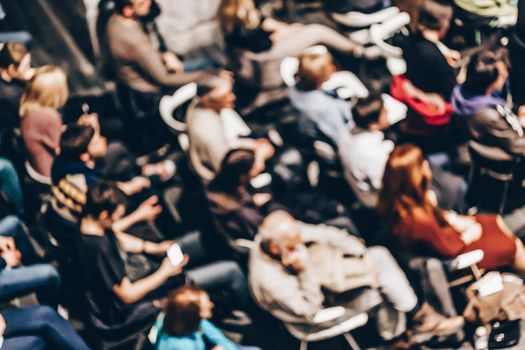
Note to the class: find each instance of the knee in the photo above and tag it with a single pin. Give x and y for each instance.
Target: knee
(10, 226)
(43, 312)
(233, 271)
(6, 167)
(50, 275)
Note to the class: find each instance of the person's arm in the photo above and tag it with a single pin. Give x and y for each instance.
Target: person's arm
(216, 336)
(503, 135)
(150, 61)
(443, 240)
(131, 292)
(147, 211)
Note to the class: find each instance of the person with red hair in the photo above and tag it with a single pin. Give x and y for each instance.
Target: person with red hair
(409, 207)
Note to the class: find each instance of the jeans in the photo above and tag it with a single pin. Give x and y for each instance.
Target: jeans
(21, 37)
(25, 324)
(41, 278)
(11, 226)
(10, 185)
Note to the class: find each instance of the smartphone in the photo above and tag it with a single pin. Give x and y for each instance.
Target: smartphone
(175, 255)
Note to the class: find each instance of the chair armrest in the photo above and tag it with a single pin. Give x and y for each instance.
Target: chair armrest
(466, 260)
(329, 314)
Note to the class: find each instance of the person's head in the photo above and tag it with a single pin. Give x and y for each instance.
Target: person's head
(218, 97)
(370, 113)
(133, 8)
(315, 69)
(15, 61)
(104, 203)
(281, 239)
(82, 142)
(186, 307)
(47, 89)
(406, 182)
(434, 16)
(487, 72)
(240, 14)
(237, 168)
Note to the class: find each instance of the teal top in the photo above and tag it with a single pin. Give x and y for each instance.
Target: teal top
(194, 341)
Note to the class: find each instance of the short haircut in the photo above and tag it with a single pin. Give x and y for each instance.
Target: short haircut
(121, 4)
(433, 15)
(483, 72)
(12, 53)
(367, 110)
(103, 196)
(75, 140)
(183, 311)
(313, 69)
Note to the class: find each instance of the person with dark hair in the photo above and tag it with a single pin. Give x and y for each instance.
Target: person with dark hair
(238, 212)
(424, 49)
(103, 251)
(15, 71)
(186, 325)
(139, 65)
(487, 75)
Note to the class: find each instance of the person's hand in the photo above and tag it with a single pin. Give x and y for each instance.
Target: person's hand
(261, 199)
(453, 57)
(170, 270)
(436, 101)
(7, 243)
(149, 209)
(172, 62)
(135, 185)
(472, 234)
(217, 347)
(90, 119)
(264, 148)
(12, 257)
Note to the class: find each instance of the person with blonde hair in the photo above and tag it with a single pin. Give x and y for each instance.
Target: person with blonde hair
(41, 122)
(246, 28)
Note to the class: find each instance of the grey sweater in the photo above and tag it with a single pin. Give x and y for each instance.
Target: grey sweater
(138, 63)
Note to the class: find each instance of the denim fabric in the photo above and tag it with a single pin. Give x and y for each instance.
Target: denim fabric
(10, 185)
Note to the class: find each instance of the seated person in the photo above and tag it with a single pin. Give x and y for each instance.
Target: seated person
(185, 323)
(207, 149)
(487, 74)
(76, 168)
(245, 28)
(36, 328)
(15, 71)
(424, 49)
(409, 207)
(331, 115)
(41, 122)
(365, 153)
(289, 274)
(139, 65)
(103, 252)
(21, 270)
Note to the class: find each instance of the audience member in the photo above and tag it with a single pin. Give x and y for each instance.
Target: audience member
(41, 123)
(207, 149)
(246, 28)
(103, 250)
(292, 269)
(409, 207)
(35, 328)
(15, 71)
(185, 323)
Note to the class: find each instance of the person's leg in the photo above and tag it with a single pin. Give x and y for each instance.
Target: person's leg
(11, 226)
(222, 276)
(21, 37)
(41, 278)
(392, 280)
(10, 185)
(191, 244)
(25, 342)
(305, 37)
(45, 322)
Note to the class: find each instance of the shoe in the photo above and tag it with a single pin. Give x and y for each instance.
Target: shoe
(428, 323)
